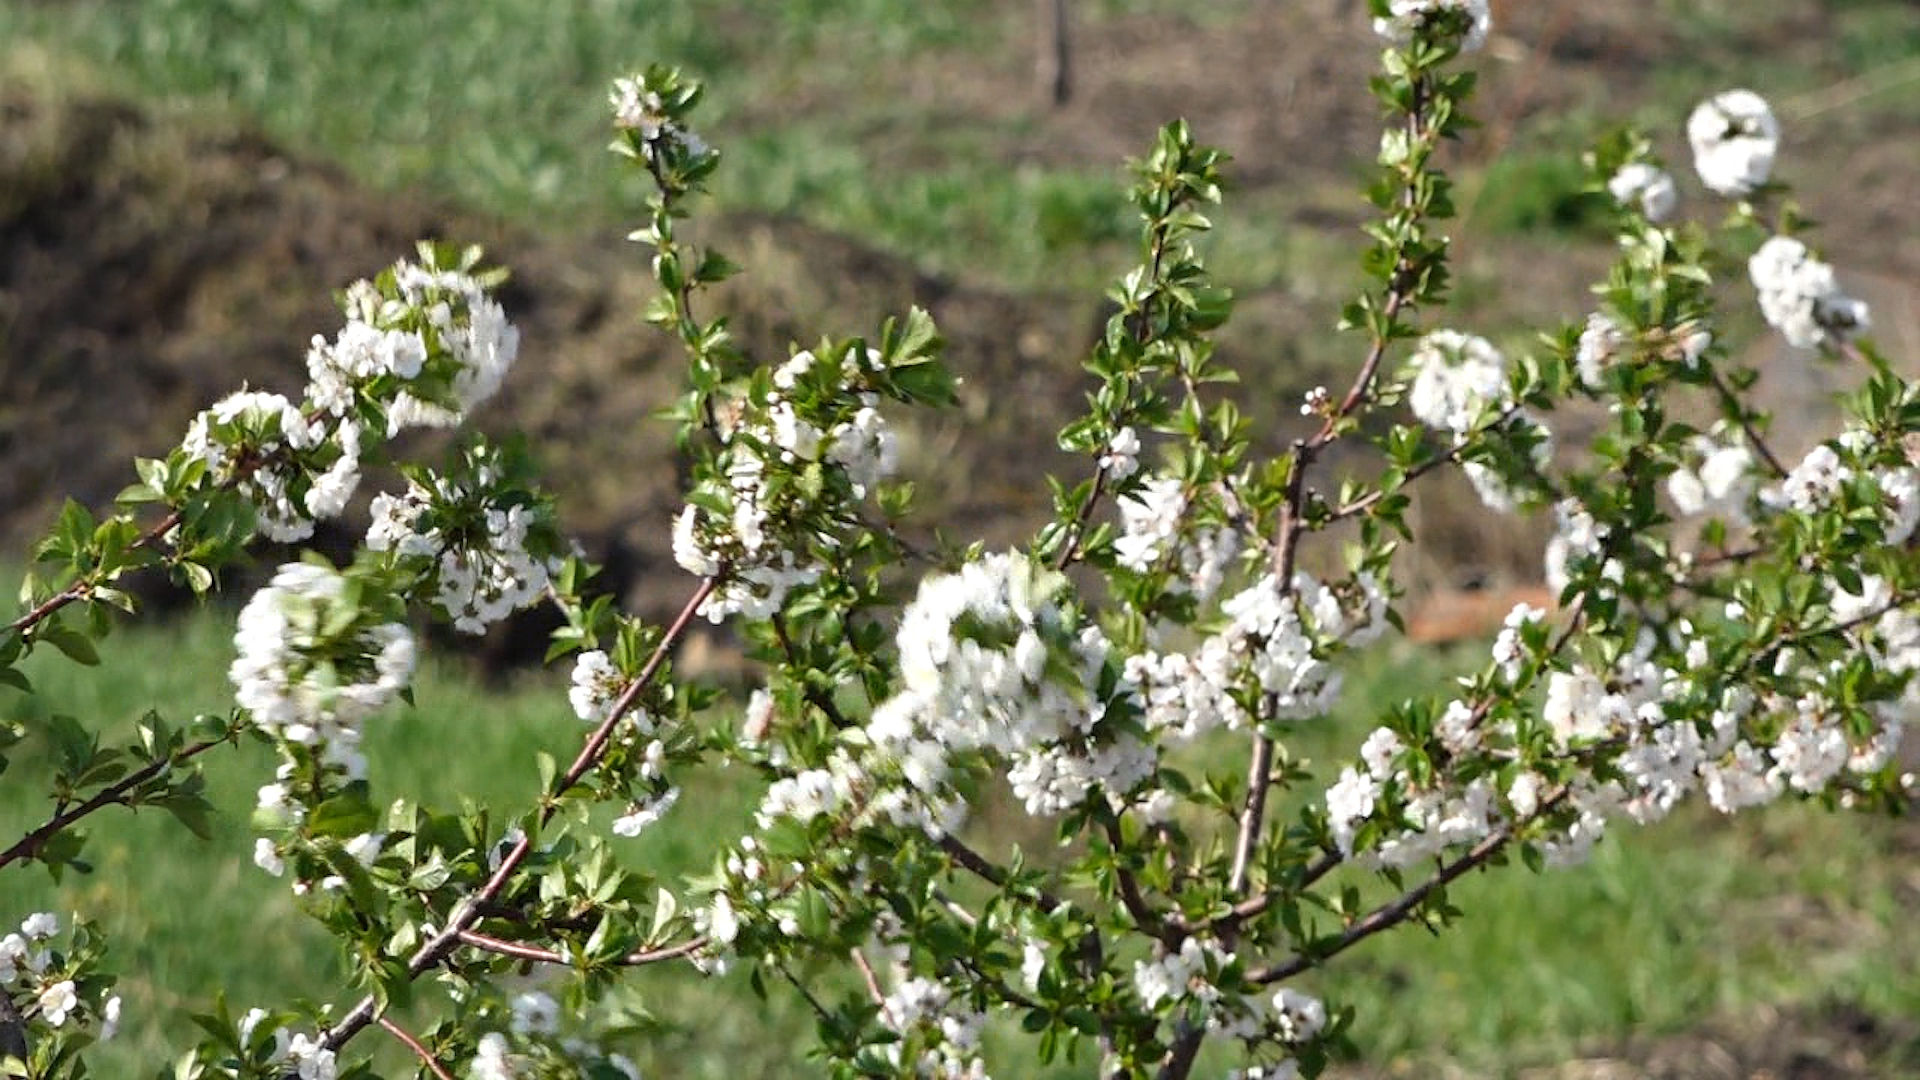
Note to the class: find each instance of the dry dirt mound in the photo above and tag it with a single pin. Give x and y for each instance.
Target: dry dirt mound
(147, 268)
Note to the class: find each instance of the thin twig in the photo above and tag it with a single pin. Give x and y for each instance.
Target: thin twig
(520, 950)
(81, 587)
(866, 972)
(1400, 908)
(425, 1055)
(116, 793)
(465, 914)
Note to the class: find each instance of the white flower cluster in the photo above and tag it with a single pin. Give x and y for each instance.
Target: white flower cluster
(480, 569)
(1507, 646)
(1645, 184)
(1149, 522)
(1407, 17)
(1721, 484)
(25, 958)
(1195, 973)
(640, 110)
(926, 1007)
(257, 440)
(1456, 377)
(1152, 519)
(297, 464)
(992, 659)
(1434, 819)
(597, 684)
(1734, 138)
(1275, 642)
(304, 1054)
(1814, 484)
(360, 354)
(465, 330)
(1577, 539)
(1601, 343)
(752, 542)
(300, 678)
(1800, 298)
(1122, 456)
(1750, 748)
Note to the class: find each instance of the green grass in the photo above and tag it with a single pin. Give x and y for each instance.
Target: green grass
(501, 106)
(1696, 918)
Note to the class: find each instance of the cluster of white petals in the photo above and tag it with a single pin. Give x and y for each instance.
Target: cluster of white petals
(1149, 522)
(1720, 484)
(597, 684)
(22, 954)
(255, 440)
(1800, 298)
(1194, 974)
(1577, 538)
(464, 324)
(299, 682)
(993, 660)
(925, 1007)
(304, 1054)
(1602, 343)
(753, 540)
(1122, 456)
(359, 354)
(1405, 18)
(480, 573)
(1734, 138)
(1456, 377)
(1646, 185)
(1814, 484)
(1275, 642)
(640, 110)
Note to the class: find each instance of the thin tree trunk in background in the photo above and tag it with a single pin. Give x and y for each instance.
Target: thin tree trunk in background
(1053, 72)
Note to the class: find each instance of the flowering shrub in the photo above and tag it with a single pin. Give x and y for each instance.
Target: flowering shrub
(1730, 624)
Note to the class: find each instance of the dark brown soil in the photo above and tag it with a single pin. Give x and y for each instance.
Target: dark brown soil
(148, 268)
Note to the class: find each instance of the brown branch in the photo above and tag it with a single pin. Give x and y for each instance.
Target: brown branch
(1397, 911)
(425, 1055)
(81, 587)
(866, 973)
(116, 793)
(1130, 896)
(1259, 778)
(465, 914)
(1754, 438)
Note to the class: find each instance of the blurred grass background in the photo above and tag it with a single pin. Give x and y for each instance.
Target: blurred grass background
(913, 126)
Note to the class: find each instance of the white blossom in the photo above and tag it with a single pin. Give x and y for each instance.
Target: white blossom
(1455, 377)
(1800, 297)
(1720, 485)
(491, 1060)
(308, 691)
(1149, 521)
(1404, 18)
(644, 813)
(535, 1013)
(1645, 184)
(1601, 343)
(1122, 456)
(1734, 137)
(57, 1001)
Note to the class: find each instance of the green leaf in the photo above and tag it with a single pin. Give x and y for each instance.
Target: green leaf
(347, 814)
(73, 643)
(191, 811)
